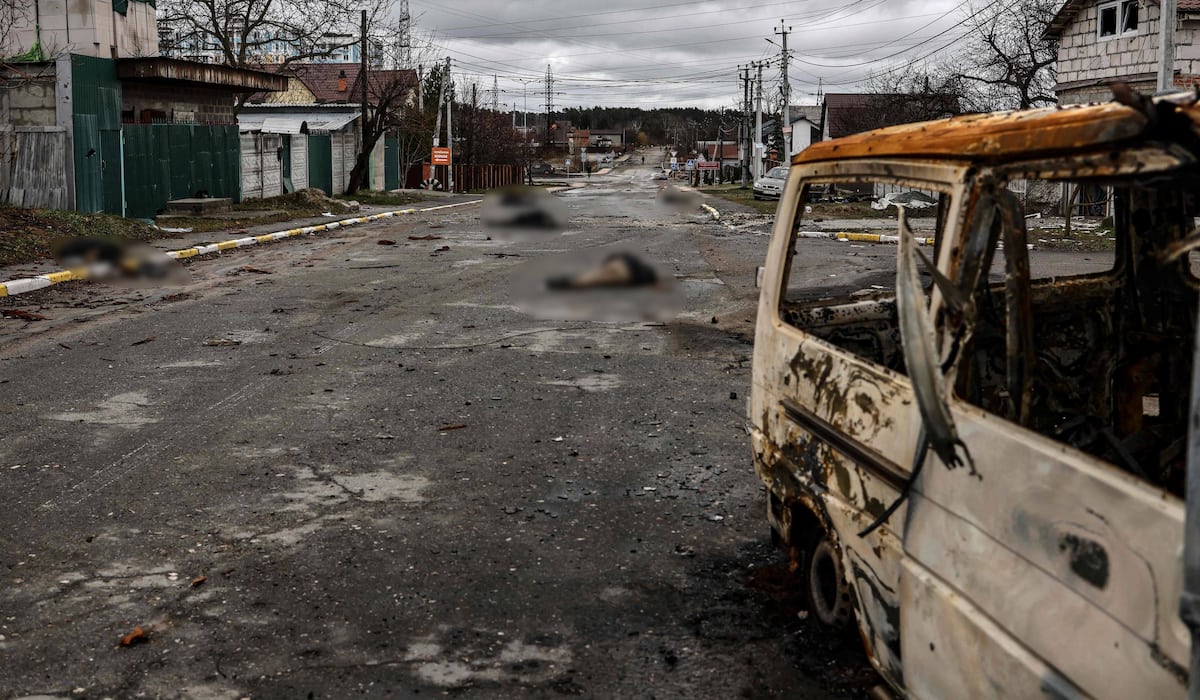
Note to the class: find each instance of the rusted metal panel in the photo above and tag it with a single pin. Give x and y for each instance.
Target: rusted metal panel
(210, 74)
(989, 137)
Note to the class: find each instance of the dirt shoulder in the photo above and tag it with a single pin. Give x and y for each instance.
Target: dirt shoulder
(31, 235)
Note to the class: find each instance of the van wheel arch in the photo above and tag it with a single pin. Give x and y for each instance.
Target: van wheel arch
(816, 556)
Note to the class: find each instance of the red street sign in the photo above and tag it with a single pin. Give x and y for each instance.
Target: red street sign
(441, 156)
(709, 165)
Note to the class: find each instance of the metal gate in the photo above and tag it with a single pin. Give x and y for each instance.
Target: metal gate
(176, 161)
(391, 163)
(320, 162)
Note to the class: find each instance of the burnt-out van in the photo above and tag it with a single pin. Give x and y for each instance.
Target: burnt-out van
(979, 456)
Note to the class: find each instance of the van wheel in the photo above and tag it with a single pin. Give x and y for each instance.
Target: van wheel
(828, 592)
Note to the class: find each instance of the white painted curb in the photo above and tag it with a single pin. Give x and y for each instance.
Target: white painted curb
(29, 284)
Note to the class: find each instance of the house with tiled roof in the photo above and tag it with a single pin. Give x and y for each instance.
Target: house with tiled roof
(1102, 42)
(314, 126)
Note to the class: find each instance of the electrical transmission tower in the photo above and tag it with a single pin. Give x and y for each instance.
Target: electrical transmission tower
(495, 93)
(404, 37)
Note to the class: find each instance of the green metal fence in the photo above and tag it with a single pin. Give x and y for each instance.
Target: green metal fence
(96, 117)
(177, 161)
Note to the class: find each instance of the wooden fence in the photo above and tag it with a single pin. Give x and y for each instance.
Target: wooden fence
(469, 178)
(33, 167)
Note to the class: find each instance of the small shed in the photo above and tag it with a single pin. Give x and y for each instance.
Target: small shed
(289, 148)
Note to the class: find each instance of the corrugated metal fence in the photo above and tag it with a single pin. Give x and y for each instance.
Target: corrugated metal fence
(28, 177)
(177, 161)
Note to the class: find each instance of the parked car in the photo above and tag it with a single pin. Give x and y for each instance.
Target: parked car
(986, 473)
(770, 186)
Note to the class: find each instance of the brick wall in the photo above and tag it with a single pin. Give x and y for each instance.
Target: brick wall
(29, 102)
(1084, 57)
(178, 102)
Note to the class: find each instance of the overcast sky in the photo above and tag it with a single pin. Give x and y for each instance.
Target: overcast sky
(652, 53)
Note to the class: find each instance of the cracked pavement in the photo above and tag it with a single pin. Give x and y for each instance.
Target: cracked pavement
(373, 469)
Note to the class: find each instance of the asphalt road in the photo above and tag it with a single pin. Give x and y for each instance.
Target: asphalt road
(328, 467)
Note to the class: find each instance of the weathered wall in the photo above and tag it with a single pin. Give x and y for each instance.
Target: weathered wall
(179, 103)
(88, 27)
(31, 166)
(377, 166)
(344, 146)
(261, 167)
(28, 102)
(300, 161)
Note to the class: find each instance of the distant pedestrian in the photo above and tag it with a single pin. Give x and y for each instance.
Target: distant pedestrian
(643, 160)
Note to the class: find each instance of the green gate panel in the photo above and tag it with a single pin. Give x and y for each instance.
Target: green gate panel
(89, 197)
(391, 164)
(320, 162)
(175, 161)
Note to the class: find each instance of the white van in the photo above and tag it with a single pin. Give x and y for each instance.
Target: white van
(983, 468)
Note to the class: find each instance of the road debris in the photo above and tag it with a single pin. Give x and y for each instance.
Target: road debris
(23, 315)
(429, 237)
(455, 426)
(255, 270)
(137, 636)
(385, 241)
(221, 342)
(199, 581)
(143, 341)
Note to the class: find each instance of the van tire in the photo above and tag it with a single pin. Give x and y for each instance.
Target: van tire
(826, 589)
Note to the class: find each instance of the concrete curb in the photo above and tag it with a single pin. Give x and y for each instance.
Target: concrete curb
(860, 237)
(30, 284)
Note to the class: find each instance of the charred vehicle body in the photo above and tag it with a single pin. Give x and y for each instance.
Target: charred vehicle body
(984, 469)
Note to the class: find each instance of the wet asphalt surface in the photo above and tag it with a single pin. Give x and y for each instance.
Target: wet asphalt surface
(330, 467)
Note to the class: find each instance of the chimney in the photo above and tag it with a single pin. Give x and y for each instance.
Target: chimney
(341, 81)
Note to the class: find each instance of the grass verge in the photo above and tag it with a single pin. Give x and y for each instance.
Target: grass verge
(27, 235)
(745, 197)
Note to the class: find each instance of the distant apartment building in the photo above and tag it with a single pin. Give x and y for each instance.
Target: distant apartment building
(268, 48)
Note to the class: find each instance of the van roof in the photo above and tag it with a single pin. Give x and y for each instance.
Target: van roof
(997, 137)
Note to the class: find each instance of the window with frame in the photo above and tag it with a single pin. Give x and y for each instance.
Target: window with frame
(852, 304)
(1118, 19)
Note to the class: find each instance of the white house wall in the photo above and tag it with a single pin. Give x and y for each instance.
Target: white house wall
(91, 28)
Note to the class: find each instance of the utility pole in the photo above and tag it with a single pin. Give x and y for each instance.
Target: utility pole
(549, 105)
(785, 58)
(362, 75)
(747, 142)
(758, 139)
(449, 127)
(1167, 20)
(495, 93)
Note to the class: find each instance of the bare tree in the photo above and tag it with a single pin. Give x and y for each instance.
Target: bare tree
(390, 93)
(1006, 56)
(905, 94)
(250, 33)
